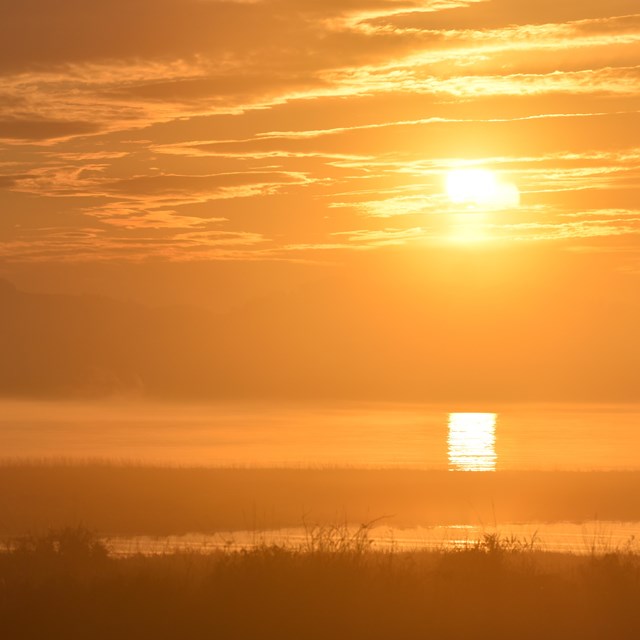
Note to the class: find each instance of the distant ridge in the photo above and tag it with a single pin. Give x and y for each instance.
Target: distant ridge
(472, 340)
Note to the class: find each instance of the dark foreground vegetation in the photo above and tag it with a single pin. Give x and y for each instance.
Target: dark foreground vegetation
(67, 585)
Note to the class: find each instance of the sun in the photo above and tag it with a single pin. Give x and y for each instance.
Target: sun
(481, 189)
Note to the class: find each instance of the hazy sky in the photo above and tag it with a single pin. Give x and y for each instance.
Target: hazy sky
(208, 152)
(291, 129)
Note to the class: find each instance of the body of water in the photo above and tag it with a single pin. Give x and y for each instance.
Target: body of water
(409, 436)
(479, 439)
(591, 537)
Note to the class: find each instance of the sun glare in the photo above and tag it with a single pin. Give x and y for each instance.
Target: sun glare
(472, 438)
(480, 188)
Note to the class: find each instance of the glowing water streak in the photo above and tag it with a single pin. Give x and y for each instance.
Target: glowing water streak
(472, 439)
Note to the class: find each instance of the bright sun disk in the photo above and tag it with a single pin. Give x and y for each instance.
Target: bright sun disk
(480, 188)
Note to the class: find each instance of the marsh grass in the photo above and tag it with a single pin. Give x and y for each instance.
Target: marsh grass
(71, 543)
(66, 584)
(338, 538)
(126, 499)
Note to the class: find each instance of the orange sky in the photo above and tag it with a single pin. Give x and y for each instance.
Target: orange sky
(213, 153)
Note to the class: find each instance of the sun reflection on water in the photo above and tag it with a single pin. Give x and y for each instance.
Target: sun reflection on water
(472, 440)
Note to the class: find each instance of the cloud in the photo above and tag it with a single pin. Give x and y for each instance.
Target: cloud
(594, 228)
(9, 181)
(42, 129)
(372, 238)
(92, 245)
(216, 184)
(152, 124)
(223, 58)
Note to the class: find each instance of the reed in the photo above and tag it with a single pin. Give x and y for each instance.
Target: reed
(67, 585)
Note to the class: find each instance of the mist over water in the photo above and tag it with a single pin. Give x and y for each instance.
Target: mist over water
(556, 437)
